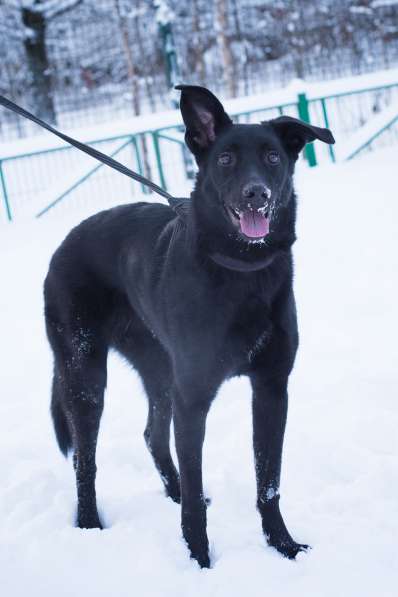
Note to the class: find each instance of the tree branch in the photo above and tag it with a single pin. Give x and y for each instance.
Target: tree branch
(67, 5)
(50, 9)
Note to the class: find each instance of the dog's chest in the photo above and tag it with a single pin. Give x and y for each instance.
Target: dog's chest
(223, 326)
(259, 344)
(249, 331)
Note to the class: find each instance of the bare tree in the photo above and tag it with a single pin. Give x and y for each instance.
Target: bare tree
(36, 15)
(198, 50)
(243, 46)
(142, 54)
(132, 74)
(225, 46)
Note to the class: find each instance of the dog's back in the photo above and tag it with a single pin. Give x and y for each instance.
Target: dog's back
(92, 250)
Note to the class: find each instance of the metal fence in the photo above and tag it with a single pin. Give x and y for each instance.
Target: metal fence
(56, 177)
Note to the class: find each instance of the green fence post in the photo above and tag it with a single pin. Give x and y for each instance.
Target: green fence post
(5, 193)
(304, 114)
(326, 121)
(162, 179)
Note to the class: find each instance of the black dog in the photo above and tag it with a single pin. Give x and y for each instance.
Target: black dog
(190, 300)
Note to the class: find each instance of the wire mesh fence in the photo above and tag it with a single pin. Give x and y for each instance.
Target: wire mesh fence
(83, 62)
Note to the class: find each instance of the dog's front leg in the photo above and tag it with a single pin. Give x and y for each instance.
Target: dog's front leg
(269, 419)
(190, 409)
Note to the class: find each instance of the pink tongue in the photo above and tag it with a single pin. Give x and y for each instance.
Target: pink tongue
(253, 224)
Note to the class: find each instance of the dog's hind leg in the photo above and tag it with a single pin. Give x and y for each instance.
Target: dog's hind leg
(77, 404)
(84, 400)
(61, 427)
(157, 437)
(152, 363)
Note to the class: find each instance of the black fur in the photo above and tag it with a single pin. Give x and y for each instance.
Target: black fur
(190, 300)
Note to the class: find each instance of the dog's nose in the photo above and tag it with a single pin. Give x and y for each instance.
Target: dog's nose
(256, 190)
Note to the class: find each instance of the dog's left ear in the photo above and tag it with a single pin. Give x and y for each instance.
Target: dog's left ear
(295, 133)
(204, 118)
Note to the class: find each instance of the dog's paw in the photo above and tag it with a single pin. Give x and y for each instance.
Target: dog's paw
(174, 494)
(289, 549)
(203, 561)
(198, 545)
(91, 521)
(201, 556)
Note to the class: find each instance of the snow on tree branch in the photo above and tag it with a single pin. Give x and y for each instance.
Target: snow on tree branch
(49, 8)
(164, 14)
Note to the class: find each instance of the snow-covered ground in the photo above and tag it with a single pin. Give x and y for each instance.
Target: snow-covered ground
(340, 480)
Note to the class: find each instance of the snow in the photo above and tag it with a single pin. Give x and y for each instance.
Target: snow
(357, 83)
(383, 3)
(382, 120)
(365, 10)
(339, 482)
(111, 131)
(50, 8)
(164, 15)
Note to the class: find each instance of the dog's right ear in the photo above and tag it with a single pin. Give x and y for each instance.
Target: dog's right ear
(204, 118)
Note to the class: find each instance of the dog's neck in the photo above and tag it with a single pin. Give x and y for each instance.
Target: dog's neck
(239, 265)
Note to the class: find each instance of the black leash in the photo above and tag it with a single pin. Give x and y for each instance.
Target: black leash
(174, 202)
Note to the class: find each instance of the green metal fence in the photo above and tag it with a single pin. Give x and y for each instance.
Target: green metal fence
(161, 153)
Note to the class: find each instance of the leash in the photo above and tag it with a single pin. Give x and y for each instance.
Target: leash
(174, 202)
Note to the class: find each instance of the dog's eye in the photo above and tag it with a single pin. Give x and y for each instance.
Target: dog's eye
(273, 157)
(225, 159)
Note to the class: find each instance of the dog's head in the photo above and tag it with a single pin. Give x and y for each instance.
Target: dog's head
(245, 170)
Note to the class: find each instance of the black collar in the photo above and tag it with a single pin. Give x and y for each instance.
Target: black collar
(239, 265)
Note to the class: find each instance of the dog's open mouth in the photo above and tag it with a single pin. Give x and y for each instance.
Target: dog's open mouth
(253, 223)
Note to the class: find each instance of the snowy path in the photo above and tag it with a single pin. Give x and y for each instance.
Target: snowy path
(340, 480)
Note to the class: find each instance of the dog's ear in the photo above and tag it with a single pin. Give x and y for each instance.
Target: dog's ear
(204, 118)
(295, 133)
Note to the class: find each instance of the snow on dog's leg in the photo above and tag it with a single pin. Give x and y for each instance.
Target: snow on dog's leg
(85, 397)
(75, 329)
(269, 419)
(191, 402)
(81, 381)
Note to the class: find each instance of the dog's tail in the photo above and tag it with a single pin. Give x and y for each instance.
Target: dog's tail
(61, 428)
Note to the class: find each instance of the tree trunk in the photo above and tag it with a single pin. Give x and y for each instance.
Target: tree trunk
(38, 65)
(225, 47)
(199, 58)
(133, 79)
(243, 46)
(142, 53)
